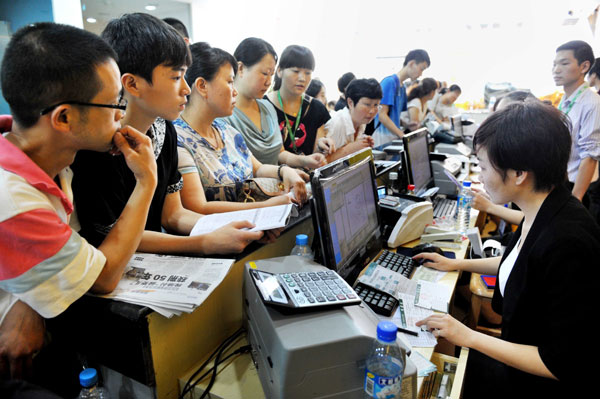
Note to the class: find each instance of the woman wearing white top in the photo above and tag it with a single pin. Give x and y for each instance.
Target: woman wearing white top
(523, 152)
(442, 104)
(417, 101)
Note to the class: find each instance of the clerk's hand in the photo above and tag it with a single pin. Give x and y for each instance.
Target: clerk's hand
(446, 326)
(481, 201)
(437, 261)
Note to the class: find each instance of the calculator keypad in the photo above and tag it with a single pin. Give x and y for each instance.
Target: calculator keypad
(312, 288)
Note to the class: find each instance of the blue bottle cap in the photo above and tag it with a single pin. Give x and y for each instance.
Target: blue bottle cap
(466, 184)
(386, 331)
(301, 239)
(88, 377)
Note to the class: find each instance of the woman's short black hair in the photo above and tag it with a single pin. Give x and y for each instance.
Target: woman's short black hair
(314, 88)
(144, 42)
(252, 49)
(206, 62)
(47, 63)
(178, 25)
(595, 68)
(426, 86)
(344, 81)
(359, 88)
(294, 56)
(514, 97)
(528, 136)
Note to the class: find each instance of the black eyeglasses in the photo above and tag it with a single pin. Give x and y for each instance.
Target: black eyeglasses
(122, 105)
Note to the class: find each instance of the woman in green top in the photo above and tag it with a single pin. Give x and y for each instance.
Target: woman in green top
(254, 116)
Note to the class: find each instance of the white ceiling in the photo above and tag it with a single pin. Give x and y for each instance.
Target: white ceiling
(105, 10)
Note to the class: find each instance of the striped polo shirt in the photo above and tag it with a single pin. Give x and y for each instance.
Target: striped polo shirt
(43, 262)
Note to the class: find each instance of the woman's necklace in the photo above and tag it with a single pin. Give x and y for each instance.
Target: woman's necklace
(291, 132)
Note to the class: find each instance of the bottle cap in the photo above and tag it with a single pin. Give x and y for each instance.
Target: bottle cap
(466, 184)
(301, 239)
(386, 331)
(393, 175)
(88, 377)
(411, 187)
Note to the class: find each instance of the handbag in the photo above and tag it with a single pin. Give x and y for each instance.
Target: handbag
(260, 189)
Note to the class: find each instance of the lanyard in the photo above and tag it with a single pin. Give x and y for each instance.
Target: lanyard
(291, 132)
(571, 103)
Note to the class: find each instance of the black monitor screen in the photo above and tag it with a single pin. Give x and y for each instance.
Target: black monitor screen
(457, 125)
(348, 213)
(416, 150)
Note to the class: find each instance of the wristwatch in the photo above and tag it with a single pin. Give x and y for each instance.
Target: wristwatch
(279, 171)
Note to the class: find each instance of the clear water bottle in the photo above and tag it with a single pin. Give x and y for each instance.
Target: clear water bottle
(385, 364)
(393, 183)
(302, 248)
(90, 389)
(463, 208)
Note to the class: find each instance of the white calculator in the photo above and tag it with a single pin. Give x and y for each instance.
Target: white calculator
(304, 289)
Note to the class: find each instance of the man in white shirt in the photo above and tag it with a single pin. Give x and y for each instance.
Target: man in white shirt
(582, 105)
(347, 126)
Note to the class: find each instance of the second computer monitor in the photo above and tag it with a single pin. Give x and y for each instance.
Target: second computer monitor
(418, 165)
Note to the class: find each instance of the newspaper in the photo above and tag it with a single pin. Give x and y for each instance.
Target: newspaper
(169, 284)
(271, 217)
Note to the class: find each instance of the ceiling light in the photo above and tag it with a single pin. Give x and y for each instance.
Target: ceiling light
(91, 20)
(150, 7)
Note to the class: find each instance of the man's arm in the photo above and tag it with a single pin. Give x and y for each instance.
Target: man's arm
(21, 336)
(388, 123)
(585, 173)
(180, 221)
(123, 239)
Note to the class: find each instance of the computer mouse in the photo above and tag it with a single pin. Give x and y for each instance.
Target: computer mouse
(427, 247)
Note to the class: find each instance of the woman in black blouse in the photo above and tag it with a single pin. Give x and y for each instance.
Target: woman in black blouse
(541, 291)
(301, 118)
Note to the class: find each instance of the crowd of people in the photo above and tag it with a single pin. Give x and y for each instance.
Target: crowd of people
(121, 143)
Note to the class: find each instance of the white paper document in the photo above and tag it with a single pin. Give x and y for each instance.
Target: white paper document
(426, 294)
(272, 217)
(169, 284)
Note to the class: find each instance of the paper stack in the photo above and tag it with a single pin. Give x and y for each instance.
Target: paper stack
(169, 284)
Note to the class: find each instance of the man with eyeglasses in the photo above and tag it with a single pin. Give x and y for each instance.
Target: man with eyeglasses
(347, 126)
(63, 88)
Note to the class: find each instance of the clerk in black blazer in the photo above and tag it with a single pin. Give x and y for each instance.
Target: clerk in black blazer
(545, 278)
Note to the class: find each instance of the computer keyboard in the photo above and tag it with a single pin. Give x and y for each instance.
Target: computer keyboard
(381, 302)
(443, 207)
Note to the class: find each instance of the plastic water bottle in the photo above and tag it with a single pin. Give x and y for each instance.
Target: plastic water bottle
(463, 208)
(393, 184)
(302, 248)
(90, 389)
(385, 364)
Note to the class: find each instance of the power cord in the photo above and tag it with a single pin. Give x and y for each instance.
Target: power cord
(189, 386)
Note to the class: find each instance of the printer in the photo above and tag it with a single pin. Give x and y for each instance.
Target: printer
(311, 353)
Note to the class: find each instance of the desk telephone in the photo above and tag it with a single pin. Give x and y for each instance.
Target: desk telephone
(404, 218)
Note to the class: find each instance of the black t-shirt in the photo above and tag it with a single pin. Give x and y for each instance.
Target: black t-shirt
(102, 184)
(314, 115)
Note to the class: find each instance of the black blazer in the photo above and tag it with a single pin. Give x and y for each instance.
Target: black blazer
(548, 300)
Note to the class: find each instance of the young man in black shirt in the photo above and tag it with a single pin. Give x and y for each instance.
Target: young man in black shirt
(153, 59)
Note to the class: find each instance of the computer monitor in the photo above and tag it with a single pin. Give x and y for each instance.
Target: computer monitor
(345, 210)
(416, 152)
(457, 125)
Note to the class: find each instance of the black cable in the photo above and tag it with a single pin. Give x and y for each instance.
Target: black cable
(240, 350)
(187, 387)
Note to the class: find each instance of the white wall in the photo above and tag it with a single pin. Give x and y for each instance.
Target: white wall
(370, 37)
(67, 12)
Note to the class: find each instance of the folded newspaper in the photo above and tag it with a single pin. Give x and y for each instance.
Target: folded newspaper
(169, 284)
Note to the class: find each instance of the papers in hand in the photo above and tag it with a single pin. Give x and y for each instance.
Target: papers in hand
(272, 217)
(169, 284)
